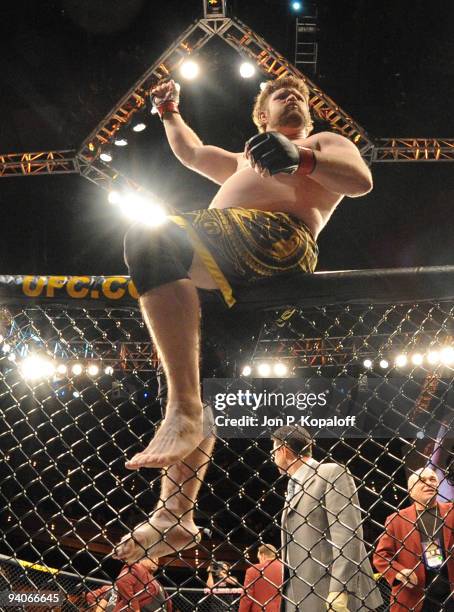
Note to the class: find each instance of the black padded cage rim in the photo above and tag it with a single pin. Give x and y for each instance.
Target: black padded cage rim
(381, 286)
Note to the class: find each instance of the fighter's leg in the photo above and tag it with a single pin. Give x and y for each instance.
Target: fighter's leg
(159, 262)
(171, 527)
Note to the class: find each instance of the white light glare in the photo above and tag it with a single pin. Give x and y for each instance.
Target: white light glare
(447, 355)
(12, 357)
(93, 369)
(106, 156)
(247, 70)
(367, 363)
(246, 370)
(114, 197)
(280, 369)
(264, 369)
(401, 361)
(384, 364)
(120, 142)
(6, 348)
(296, 6)
(139, 208)
(77, 369)
(139, 127)
(189, 69)
(433, 357)
(417, 359)
(61, 368)
(35, 367)
(262, 85)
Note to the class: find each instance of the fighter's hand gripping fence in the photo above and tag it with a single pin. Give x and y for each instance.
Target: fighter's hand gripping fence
(65, 432)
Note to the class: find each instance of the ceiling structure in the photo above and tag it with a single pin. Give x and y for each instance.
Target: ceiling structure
(214, 23)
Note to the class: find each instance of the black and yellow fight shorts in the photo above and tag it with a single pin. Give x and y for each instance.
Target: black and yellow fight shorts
(238, 246)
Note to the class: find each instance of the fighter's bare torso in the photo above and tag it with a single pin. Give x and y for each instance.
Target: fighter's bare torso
(294, 194)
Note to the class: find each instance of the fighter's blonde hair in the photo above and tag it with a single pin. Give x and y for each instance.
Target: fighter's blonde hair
(272, 86)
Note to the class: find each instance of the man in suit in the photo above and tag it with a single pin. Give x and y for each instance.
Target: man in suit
(415, 553)
(322, 541)
(263, 582)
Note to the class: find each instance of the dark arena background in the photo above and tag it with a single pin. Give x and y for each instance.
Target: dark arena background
(79, 376)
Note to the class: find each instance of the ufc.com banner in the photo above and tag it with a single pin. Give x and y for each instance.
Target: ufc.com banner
(338, 407)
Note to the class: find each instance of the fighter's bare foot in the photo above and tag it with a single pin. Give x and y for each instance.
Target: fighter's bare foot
(163, 534)
(178, 435)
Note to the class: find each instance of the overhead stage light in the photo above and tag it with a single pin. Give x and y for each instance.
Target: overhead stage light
(280, 369)
(296, 6)
(247, 70)
(401, 360)
(139, 127)
(114, 197)
(121, 141)
(109, 371)
(384, 364)
(367, 363)
(106, 156)
(93, 369)
(61, 368)
(447, 355)
(417, 359)
(264, 369)
(189, 69)
(77, 369)
(433, 357)
(246, 370)
(35, 367)
(142, 209)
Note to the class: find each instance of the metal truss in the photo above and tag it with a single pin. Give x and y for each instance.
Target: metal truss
(413, 149)
(247, 43)
(43, 162)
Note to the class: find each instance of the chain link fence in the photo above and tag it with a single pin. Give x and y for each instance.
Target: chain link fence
(80, 392)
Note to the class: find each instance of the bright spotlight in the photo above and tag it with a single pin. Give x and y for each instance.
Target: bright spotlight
(417, 359)
(106, 156)
(384, 364)
(280, 369)
(247, 70)
(447, 355)
(61, 368)
(120, 142)
(114, 197)
(6, 348)
(296, 5)
(367, 363)
(433, 357)
(247, 370)
(401, 361)
(141, 209)
(76, 394)
(93, 369)
(108, 371)
(12, 357)
(189, 69)
(77, 369)
(264, 369)
(35, 367)
(139, 127)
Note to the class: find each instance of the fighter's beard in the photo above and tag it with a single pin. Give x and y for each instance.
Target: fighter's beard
(292, 118)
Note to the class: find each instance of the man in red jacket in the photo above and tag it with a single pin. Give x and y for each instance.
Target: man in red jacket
(415, 554)
(134, 590)
(263, 582)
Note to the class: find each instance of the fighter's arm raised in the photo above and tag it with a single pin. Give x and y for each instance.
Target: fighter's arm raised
(212, 162)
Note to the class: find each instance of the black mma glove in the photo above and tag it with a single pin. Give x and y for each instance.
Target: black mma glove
(274, 152)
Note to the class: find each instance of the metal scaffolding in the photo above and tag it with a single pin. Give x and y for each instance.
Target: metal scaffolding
(86, 162)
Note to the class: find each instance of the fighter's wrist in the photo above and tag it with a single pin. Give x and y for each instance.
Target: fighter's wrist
(308, 161)
(167, 108)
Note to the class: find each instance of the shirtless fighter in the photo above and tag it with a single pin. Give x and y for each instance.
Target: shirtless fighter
(274, 200)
